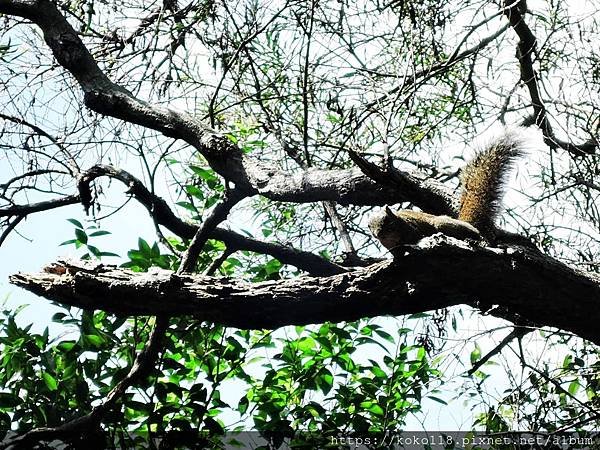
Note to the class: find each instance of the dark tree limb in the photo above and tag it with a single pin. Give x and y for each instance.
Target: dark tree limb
(309, 262)
(163, 215)
(249, 174)
(513, 283)
(24, 210)
(513, 10)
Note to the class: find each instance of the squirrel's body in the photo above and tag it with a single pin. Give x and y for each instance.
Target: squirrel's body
(405, 227)
(482, 183)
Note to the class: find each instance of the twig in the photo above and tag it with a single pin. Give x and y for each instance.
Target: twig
(220, 260)
(516, 333)
(11, 226)
(340, 226)
(218, 214)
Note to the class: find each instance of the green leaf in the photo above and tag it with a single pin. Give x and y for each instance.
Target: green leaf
(388, 337)
(194, 191)
(205, 174)
(77, 223)
(50, 381)
(243, 405)
(187, 205)
(419, 315)
(231, 137)
(325, 381)
(437, 399)
(475, 354)
(94, 339)
(66, 346)
(144, 247)
(58, 317)
(94, 250)
(306, 344)
(574, 387)
(378, 372)
(373, 407)
(100, 233)
(81, 236)
(333, 118)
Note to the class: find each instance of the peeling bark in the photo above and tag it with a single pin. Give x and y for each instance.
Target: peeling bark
(514, 283)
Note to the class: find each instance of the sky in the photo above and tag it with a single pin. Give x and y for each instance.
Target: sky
(43, 232)
(21, 255)
(37, 244)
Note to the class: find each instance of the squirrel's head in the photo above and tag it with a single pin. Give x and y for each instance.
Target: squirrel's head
(389, 229)
(395, 229)
(381, 220)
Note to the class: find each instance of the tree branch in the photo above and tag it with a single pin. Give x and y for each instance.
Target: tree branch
(249, 174)
(517, 333)
(9, 227)
(525, 49)
(218, 214)
(24, 210)
(72, 167)
(429, 195)
(437, 273)
(163, 215)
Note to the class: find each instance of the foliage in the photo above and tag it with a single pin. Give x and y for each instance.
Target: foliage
(314, 382)
(296, 84)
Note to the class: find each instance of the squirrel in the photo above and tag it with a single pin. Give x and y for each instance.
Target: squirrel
(482, 181)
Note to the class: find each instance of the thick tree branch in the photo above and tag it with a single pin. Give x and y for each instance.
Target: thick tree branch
(512, 283)
(163, 215)
(24, 210)
(250, 175)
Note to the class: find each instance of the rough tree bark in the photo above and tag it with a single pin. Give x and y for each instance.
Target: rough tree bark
(518, 284)
(513, 283)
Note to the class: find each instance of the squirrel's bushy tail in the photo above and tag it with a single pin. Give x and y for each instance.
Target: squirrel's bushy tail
(483, 181)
